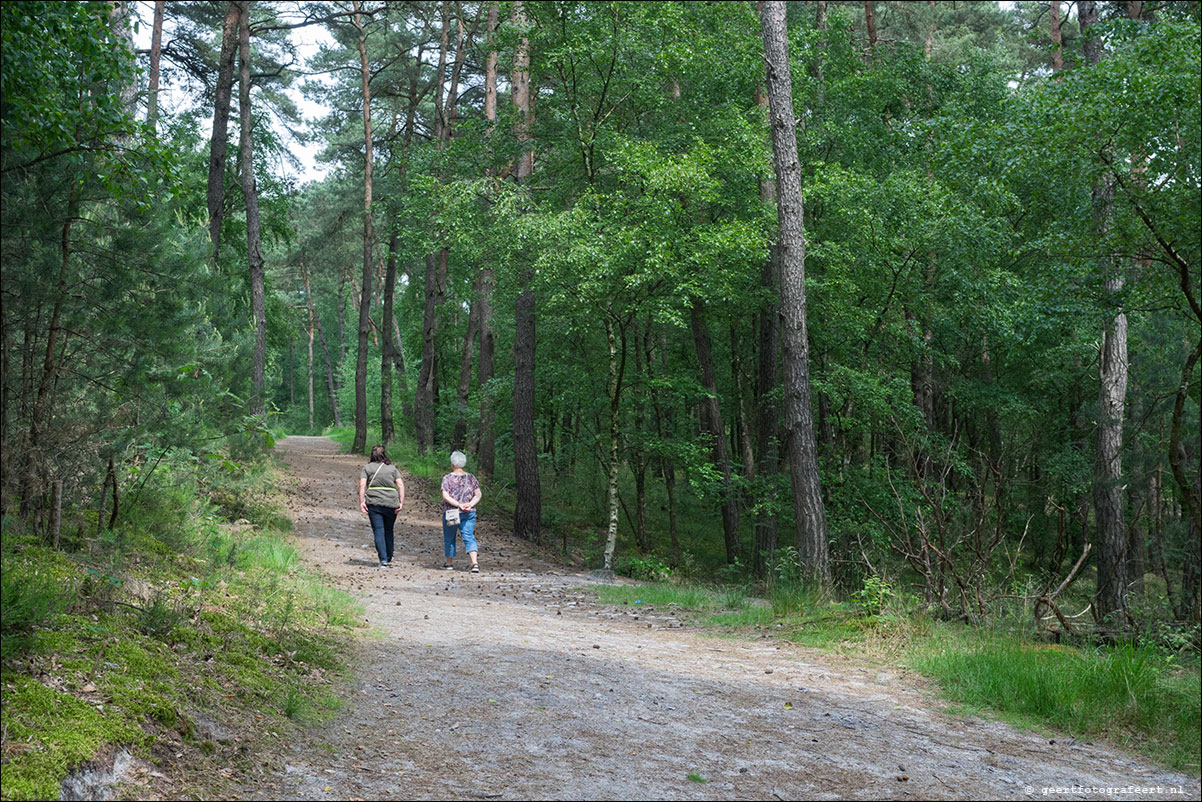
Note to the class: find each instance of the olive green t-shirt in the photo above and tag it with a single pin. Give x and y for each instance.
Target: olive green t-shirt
(381, 490)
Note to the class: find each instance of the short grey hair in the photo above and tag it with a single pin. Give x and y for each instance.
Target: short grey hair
(458, 459)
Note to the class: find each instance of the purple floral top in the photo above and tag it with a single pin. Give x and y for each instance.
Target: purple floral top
(460, 487)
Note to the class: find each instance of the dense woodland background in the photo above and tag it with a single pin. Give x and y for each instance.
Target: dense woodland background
(547, 237)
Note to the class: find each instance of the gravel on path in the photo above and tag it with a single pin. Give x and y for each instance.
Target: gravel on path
(514, 684)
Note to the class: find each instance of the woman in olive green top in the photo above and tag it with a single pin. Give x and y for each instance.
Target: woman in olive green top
(381, 496)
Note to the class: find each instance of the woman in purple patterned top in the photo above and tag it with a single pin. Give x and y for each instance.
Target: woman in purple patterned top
(461, 494)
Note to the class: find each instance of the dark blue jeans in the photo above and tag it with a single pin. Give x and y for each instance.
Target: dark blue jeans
(382, 519)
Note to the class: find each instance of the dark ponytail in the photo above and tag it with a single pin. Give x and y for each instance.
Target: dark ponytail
(379, 455)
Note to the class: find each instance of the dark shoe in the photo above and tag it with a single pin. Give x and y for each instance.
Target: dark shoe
(385, 564)
(448, 568)
(475, 569)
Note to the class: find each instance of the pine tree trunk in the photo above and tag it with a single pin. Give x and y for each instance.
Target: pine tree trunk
(424, 406)
(250, 195)
(341, 323)
(808, 506)
(1057, 40)
(156, 53)
(528, 509)
(767, 408)
(387, 358)
(819, 63)
(219, 140)
(667, 467)
(712, 421)
(870, 23)
(290, 372)
(360, 441)
(331, 383)
(312, 335)
(614, 386)
(1110, 604)
(119, 24)
(485, 438)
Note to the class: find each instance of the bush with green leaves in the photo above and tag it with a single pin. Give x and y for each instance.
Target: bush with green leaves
(648, 568)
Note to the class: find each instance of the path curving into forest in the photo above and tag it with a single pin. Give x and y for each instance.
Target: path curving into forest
(512, 684)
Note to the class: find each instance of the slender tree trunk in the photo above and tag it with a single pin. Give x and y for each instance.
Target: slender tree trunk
(490, 70)
(1180, 475)
(819, 63)
(312, 335)
(528, 509)
(614, 387)
(341, 323)
(808, 506)
(440, 74)
(767, 407)
(56, 512)
(1057, 40)
(870, 23)
(463, 394)
(1111, 601)
(119, 25)
(639, 457)
(743, 431)
(331, 383)
(219, 141)
(424, 407)
(39, 420)
(712, 421)
(928, 46)
(1190, 601)
(485, 438)
(156, 53)
(360, 441)
(290, 372)
(250, 196)
(387, 358)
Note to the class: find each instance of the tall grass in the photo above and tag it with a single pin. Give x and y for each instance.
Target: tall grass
(1129, 694)
(687, 597)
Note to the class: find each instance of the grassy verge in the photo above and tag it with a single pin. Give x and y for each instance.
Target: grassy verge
(1133, 696)
(179, 636)
(1143, 699)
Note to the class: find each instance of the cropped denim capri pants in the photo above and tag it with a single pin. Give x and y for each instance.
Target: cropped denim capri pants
(466, 527)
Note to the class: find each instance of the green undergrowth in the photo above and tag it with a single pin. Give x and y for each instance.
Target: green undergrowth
(1142, 698)
(1135, 696)
(177, 635)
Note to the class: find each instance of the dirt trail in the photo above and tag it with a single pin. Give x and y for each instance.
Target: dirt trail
(512, 684)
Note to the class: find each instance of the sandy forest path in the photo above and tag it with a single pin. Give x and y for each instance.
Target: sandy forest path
(513, 684)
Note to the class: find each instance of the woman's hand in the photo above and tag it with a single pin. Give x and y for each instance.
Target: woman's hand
(363, 506)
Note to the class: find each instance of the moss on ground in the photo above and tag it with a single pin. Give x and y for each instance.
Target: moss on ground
(173, 620)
